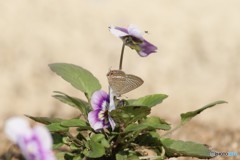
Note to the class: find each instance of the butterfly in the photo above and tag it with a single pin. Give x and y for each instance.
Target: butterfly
(122, 83)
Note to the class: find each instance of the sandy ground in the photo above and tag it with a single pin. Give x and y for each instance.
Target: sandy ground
(198, 60)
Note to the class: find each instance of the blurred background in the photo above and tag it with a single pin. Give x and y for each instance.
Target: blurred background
(198, 58)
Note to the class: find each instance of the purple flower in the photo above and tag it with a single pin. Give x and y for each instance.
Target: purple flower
(34, 143)
(132, 37)
(102, 103)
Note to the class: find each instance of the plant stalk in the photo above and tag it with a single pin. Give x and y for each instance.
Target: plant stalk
(121, 57)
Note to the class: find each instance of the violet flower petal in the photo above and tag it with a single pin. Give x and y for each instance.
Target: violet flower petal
(98, 99)
(33, 149)
(136, 40)
(94, 120)
(93, 117)
(125, 30)
(44, 136)
(118, 31)
(102, 104)
(146, 49)
(35, 143)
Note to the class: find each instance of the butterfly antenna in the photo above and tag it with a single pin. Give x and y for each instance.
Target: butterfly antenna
(109, 70)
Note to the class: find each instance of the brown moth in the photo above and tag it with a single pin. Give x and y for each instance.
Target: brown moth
(122, 83)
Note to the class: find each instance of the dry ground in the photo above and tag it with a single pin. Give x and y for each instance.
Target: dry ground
(198, 60)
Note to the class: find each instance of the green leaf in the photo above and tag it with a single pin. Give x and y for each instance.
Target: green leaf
(81, 136)
(100, 138)
(45, 120)
(60, 155)
(177, 148)
(126, 156)
(97, 137)
(150, 100)
(136, 127)
(77, 158)
(82, 105)
(120, 156)
(56, 127)
(185, 117)
(129, 114)
(149, 139)
(74, 147)
(75, 123)
(151, 123)
(72, 156)
(57, 140)
(157, 123)
(66, 140)
(79, 77)
(94, 150)
(68, 156)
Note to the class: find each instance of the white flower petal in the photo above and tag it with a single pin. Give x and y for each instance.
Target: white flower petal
(111, 97)
(117, 32)
(16, 127)
(98, 125)
(44, 136)
(134, 31)
(142, 54)
(112, 123)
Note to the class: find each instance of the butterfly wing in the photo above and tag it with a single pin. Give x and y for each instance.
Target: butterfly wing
(116, 80)
(122, 83)
(132, 82)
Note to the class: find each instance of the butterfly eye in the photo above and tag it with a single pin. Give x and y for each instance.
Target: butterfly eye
(109, 73)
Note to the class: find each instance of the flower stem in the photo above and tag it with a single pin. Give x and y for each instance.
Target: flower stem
(121, 58)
